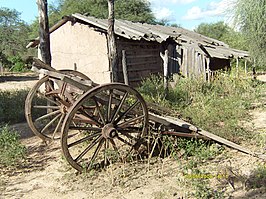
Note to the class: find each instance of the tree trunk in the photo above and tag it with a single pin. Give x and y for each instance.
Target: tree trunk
(44, 32)
(112, 54)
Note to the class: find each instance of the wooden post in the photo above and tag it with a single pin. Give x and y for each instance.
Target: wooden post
(1, 69)
(203, 66)
(246, 69)
(165, 58)
(208, 69)
(124, 65)
(237, 63)
(254, 70)
(44, 32)
(112, 54)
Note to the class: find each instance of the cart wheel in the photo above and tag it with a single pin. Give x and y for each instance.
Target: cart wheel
(106, 124)
(46, 105)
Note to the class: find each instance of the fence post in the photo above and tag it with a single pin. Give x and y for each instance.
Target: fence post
(124, 66)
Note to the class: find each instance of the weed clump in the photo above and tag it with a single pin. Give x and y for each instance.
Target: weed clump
(217, 106)
(11, 150)
(12, 106)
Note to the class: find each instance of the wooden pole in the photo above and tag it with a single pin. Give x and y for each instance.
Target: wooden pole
(254, 70)
(237, 64)
(165, 57)
(124, 65)
(112, 54)
(44, 32)
(208, 69)
(246, 69)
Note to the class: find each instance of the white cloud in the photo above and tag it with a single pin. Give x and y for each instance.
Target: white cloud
(164, 9)
(214, 9)
(162, 13)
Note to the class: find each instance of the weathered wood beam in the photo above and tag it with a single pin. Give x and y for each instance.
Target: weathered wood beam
(186, 135)
(124, 66)
(165, 57)
(44, 34)
(112, 51)
(167, 121)
(228, 143)
(171, 121)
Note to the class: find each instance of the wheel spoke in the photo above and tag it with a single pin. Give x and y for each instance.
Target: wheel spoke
(47, 115)
(114, 145)
(46, 107)
(85, 128)
(90, 117)
(106, 146)
(119, 107)
(48, 99)
(50, 123)
(88, 148)
(124, 124)
(124, 141)
(99, 111)
(58, 125)
(49, 83)
(83, 140)
(127, 111)
(109, 106)
(129, 136)
(96, 151)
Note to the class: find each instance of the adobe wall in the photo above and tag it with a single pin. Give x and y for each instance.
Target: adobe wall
(81, 46)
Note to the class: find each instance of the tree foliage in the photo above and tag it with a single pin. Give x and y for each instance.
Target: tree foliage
(223, 32)
(13, 35)
(133, 10)
(250, 17)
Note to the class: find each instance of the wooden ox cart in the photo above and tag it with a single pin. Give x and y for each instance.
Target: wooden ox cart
(99, 124)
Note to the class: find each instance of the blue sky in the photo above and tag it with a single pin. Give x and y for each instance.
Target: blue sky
(187, 13)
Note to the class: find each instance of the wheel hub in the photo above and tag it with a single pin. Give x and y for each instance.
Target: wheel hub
(109, 132)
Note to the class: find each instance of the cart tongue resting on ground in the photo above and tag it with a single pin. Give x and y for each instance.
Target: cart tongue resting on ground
(101, 124)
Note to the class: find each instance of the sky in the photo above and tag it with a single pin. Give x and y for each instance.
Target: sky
(186, 13)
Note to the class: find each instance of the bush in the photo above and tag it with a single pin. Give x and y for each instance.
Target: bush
(217, 106)
(17, 64)
(12, 106)
(11, 151)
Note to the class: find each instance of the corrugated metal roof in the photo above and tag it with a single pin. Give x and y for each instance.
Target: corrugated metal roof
(138, 31)
(158, 33)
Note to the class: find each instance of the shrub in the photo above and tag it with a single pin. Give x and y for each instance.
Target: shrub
(12, 106)
(18, 65)
(11, 151)
(217, 106)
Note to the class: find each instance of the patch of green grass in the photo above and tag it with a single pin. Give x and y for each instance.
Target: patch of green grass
(199, 149)
(204, 191)
(217, 106)
(12, 106)
(257, 178)
(11, 150)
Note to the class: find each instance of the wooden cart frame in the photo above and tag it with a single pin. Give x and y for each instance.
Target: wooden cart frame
(99, 124)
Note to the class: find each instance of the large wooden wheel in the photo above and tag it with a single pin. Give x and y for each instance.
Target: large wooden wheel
(105, 125)
(47, 104)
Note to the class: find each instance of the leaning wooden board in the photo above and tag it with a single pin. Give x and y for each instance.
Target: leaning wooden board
(167, 120)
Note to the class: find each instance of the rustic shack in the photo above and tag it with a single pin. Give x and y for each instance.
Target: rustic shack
(79, 42)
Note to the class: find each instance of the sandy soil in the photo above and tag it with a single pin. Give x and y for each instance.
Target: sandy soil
(45, 173)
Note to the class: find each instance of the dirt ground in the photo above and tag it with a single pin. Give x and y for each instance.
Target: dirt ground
(46, 174)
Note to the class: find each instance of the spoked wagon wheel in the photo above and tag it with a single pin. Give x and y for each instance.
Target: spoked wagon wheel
(47, 103)
(105, 125)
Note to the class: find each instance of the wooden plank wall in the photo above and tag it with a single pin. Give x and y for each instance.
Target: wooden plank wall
(142, 60)
(193, 63)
